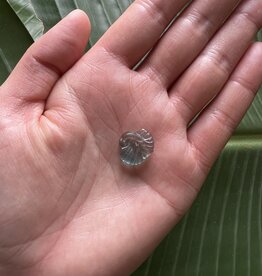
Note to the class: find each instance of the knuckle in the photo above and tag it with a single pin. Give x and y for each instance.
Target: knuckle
(35, 64)
(224, 119)
(246, 85)
(251, 11)
(220, 59)
(202, 23)
(247, 16)
(155, 11)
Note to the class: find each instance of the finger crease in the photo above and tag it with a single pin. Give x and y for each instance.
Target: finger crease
(154, 11)
(245, 84)
(179, 99)
(221, 59)
(153, 74)
(201, 20)
(114, 56)
(202, 159)
(47, 65)
(223, 118)
(249, 17)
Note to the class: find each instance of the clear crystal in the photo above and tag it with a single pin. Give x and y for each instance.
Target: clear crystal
(136, 147)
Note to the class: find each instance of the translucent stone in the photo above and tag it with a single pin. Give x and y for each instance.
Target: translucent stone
(136, 147)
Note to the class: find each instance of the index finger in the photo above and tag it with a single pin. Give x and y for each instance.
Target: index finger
(139, 28)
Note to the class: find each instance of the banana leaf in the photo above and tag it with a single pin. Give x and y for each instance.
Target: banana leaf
(14, 40)
(222, 232)
(102, 13)
(27, 15)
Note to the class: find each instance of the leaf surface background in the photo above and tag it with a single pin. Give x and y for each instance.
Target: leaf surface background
(222, 233)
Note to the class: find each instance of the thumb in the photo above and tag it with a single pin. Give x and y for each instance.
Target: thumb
(47, 59)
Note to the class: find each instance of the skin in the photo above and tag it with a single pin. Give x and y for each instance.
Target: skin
(67, 206)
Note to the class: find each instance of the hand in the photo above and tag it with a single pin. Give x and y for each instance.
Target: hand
(68, 207)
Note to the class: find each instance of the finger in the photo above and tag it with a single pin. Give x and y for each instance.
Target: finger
(209, 134)
(47, 59)
(185, 39)
(139, 28)
(208, 74)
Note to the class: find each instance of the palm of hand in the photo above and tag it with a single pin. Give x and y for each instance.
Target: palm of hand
(72, 199)
(92, 185)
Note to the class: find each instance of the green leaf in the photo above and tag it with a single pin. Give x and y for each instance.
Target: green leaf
(102, 13)
(222, 233)
(259, 35)
(27, 15)
(14, 40)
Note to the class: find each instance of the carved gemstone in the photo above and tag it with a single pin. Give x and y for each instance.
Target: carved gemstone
(136, 147)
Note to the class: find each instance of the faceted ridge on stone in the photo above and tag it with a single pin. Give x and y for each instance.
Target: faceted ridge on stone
(136, 147)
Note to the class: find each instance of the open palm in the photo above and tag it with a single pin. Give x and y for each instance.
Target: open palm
(68, 206)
